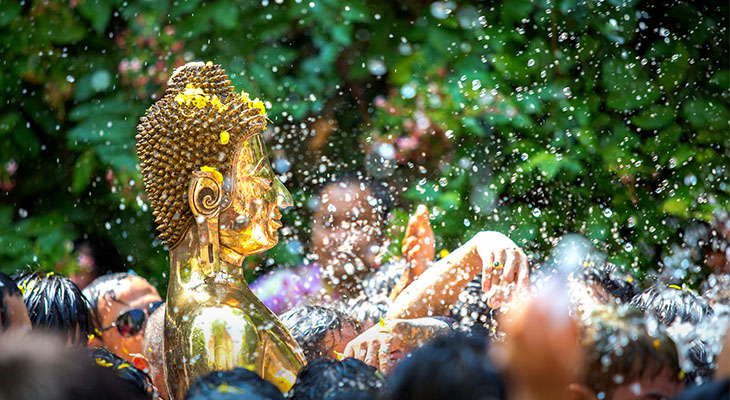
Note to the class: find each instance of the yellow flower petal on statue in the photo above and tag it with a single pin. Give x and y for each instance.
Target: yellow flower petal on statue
(675, 287)
(218, 176)
(657, 344)
(443, 253)
(338, 355)
(259, 105)
(244, 97)
(217, 104)
(225, 137)
(122, 366)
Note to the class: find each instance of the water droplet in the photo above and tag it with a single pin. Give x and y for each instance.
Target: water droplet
(536, 212)
(531, 62)
(608, 213)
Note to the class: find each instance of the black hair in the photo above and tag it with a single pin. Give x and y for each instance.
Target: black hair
(309, 325)
(670, 304)
(36, 366)
(617, 284)
(98, 287)
(238, 383)
(7, 288)
(618, 343)
(471, 312)
(453, 367)
(331, 379)
(124, 370)
(55, 304)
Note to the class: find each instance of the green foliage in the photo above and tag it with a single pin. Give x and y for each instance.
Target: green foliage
(534, 118)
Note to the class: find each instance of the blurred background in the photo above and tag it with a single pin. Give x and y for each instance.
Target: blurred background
(533, 118)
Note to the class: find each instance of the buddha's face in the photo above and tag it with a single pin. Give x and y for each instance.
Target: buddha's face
(250, 219)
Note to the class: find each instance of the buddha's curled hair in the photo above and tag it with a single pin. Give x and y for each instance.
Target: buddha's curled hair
(198, 123)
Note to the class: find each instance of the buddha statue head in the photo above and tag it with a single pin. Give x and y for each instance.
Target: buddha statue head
(204, 164)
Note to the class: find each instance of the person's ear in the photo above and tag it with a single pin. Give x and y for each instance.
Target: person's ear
(141, 364)
(577, 391)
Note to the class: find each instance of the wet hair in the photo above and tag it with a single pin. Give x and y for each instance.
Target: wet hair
(331, 379)
(617, 343)
(100, 286)
(702, 361)
(450, 367)
(608, 276)
(310, 324)
(56, 304)
(670, 304)
(471, 312)
(238, 383)
(8, 288)
(124, 370)
(36, 366)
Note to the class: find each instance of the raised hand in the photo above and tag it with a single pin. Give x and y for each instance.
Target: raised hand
(386, 343)
(418, 249)
(504, 268)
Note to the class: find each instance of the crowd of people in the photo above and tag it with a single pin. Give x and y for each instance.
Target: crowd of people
(481, 322)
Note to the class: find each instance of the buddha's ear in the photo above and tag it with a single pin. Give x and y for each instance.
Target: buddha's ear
(205, 194)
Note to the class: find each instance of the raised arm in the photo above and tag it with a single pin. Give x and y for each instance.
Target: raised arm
(502, 263)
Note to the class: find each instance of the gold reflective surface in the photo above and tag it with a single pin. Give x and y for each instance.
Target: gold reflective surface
(214, 321)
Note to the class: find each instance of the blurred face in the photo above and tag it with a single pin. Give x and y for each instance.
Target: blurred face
(346, 230)
(128, 294)
(16, 316)
(250, 221)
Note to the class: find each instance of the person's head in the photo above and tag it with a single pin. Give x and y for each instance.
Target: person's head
(471, 311)
(152, 358)
(322, 332)
(450, 367)
(121, 368)
(13, 314)
(36, 366)
(347, 227)
(204, 162)
(608, 284)
(55, 304)
(237, 383)
(325, 379)
(672, 304)
(624, 361)
(121, 304)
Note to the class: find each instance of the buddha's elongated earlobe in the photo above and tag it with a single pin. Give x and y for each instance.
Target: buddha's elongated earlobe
(205, 196)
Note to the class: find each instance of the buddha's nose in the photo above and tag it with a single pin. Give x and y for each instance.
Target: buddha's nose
(283, 197)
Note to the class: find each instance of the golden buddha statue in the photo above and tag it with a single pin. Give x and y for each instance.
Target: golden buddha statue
(215, 199)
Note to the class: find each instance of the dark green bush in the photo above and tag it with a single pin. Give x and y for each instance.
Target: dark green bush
(535, 118)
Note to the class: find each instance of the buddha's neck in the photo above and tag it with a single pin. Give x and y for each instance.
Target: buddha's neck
(192, 258)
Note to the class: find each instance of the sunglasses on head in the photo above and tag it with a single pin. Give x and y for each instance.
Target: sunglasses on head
(131, 322)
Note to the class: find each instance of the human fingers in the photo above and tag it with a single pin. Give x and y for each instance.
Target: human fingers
(523, 274)
(487, 268)
(372, 357)
(496, 294)
(351, 348)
